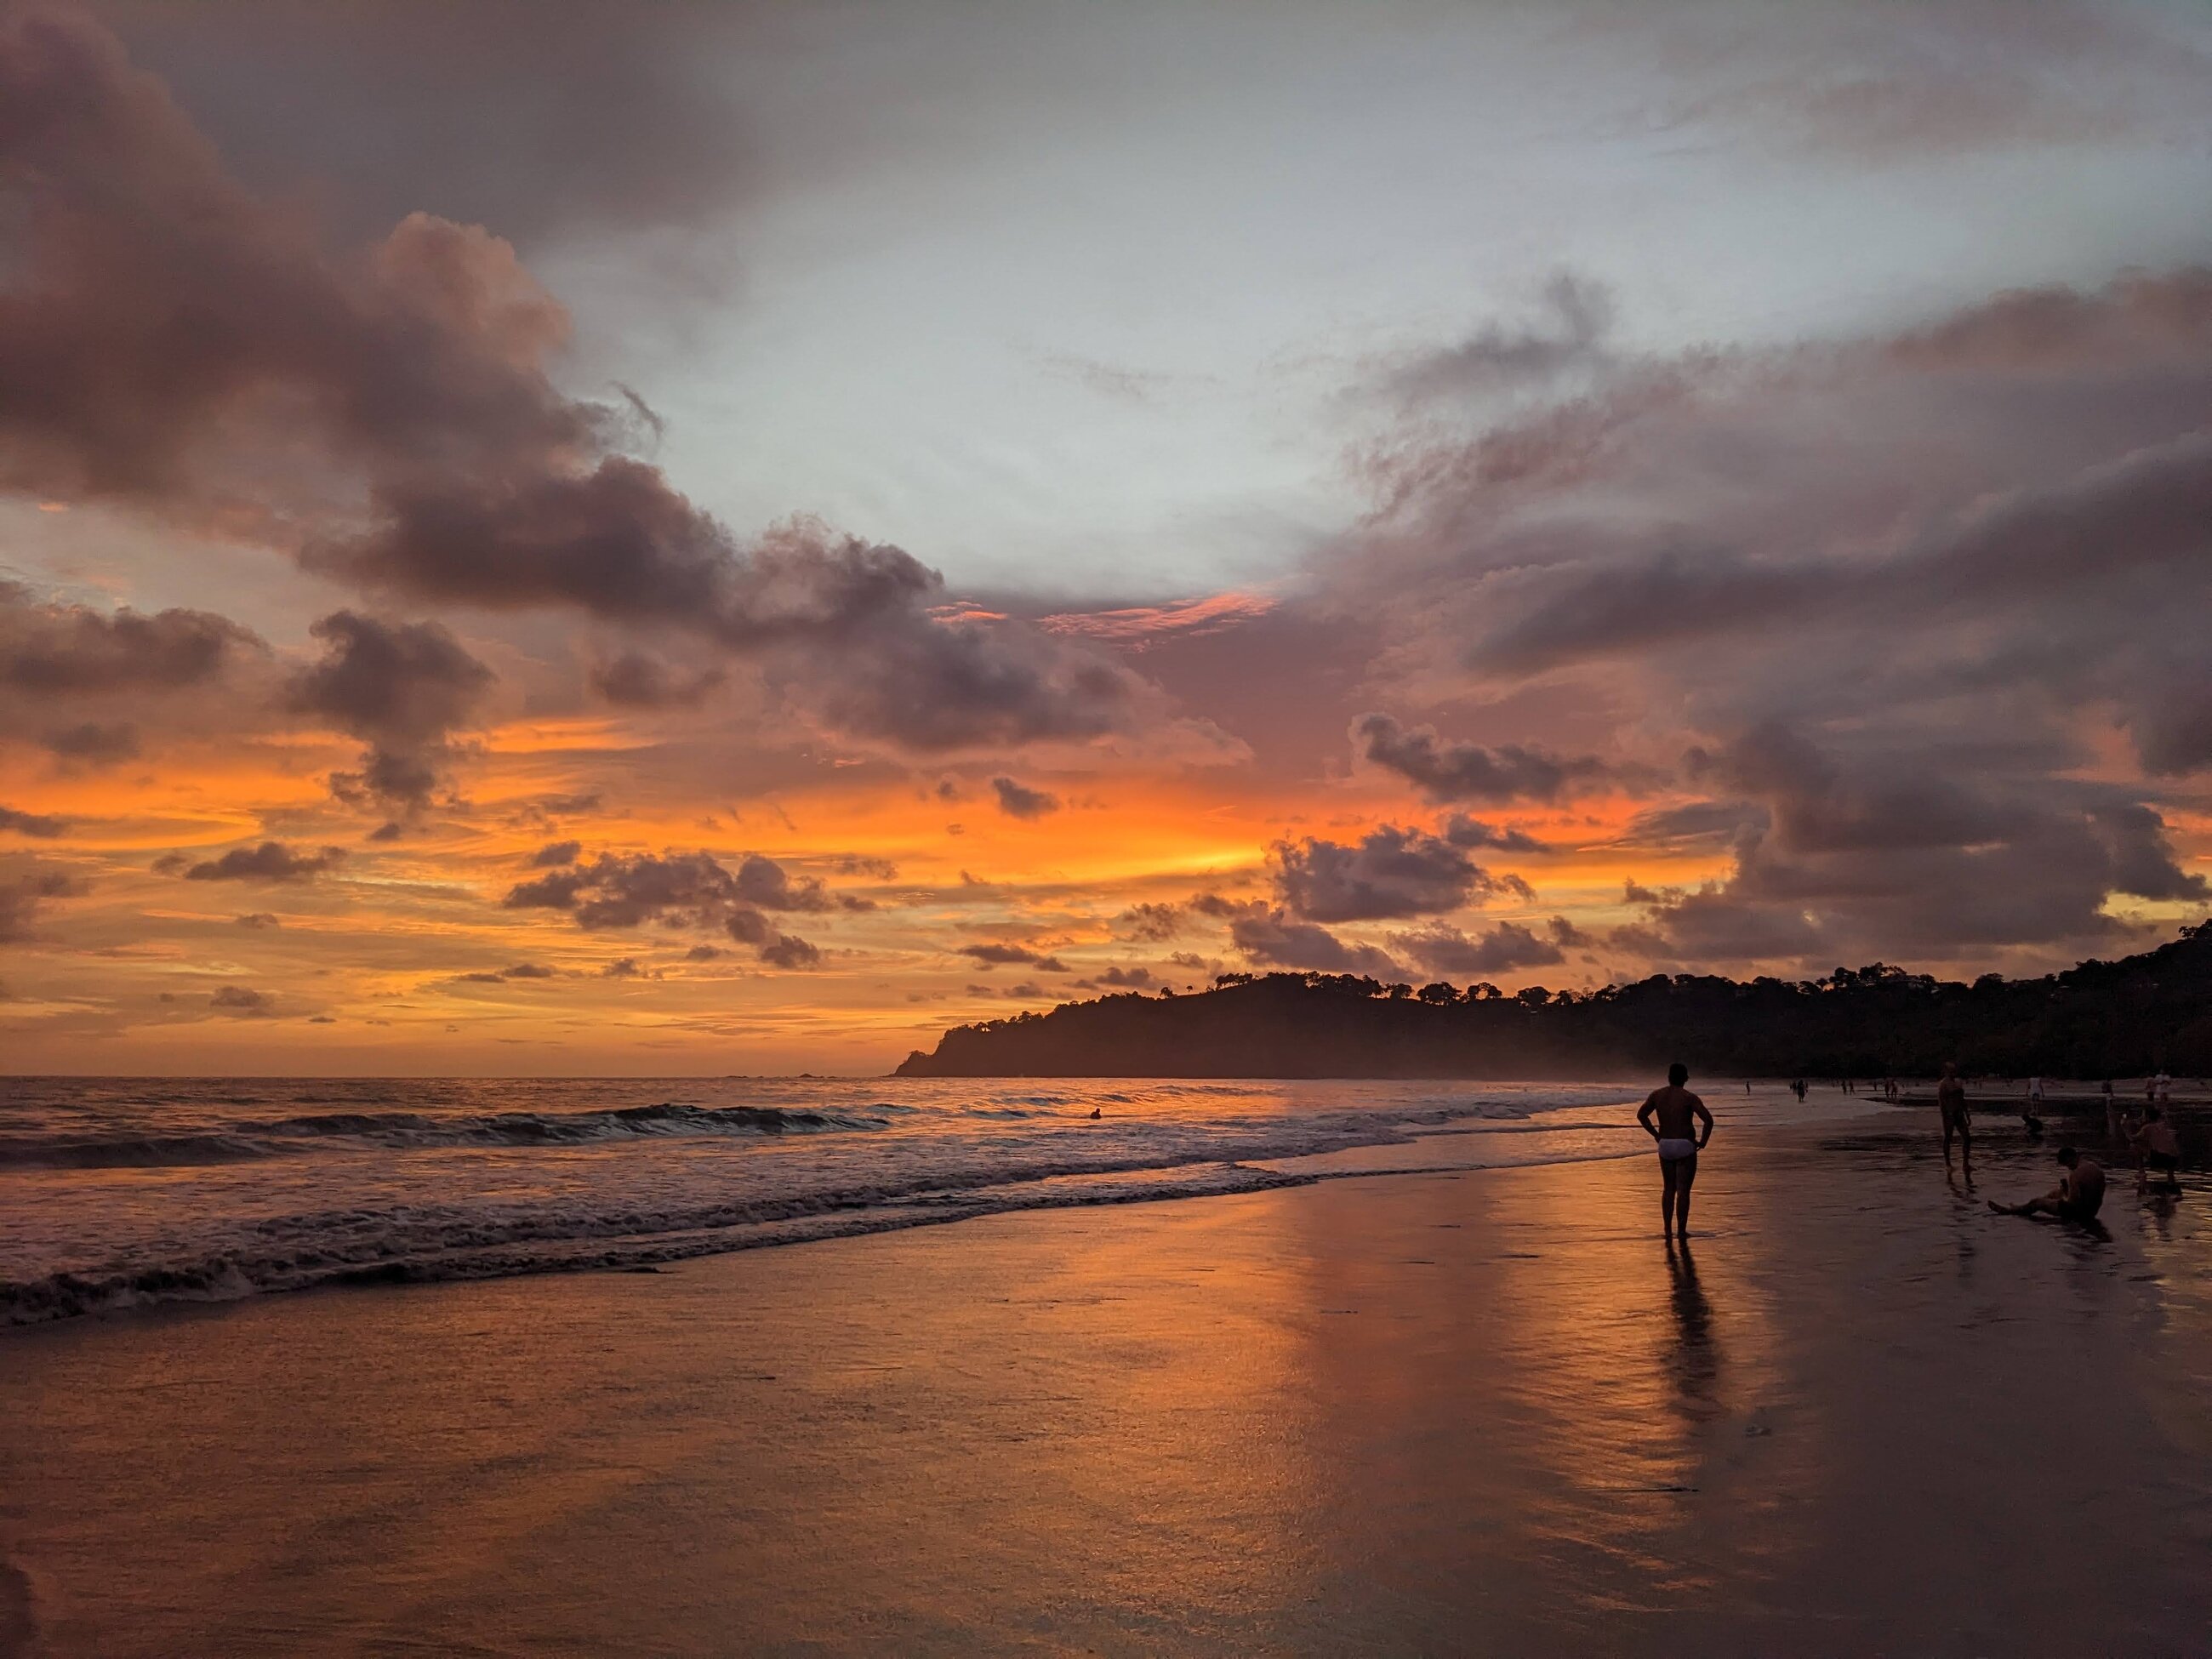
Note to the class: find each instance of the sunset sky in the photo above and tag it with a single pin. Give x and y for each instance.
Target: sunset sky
(683, 538)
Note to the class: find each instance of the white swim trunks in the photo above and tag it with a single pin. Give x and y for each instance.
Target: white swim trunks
(1671, 1149)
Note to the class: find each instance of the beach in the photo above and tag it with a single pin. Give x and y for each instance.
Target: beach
(1466, 1411)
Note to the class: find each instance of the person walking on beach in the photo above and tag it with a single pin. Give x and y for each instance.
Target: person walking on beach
(1678, 1122)
(1958, 1120)
(2078, 1196)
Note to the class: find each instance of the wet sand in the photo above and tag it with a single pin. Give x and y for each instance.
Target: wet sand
(1410, 1414)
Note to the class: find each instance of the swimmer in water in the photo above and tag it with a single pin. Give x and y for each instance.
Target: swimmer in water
(1678, 1122)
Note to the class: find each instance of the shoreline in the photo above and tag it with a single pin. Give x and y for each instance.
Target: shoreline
(1350, 1415)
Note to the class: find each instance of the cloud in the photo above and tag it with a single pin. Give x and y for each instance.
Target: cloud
(556, 854)
(1461, 830)
(1579, 316)
(765, 882)
(638, 679)
(998, 956)
(1127, 978)
(1466, 771)
(1889, 597)
(49, 650)
(608, 120)
(518, 970)
(85, 684)
(259, 918)
(680, 890)
(1018, 802)
(272, 861)
(1392, 871)
(242, 1003)
(1507, 948)
(23, 896)
(1153, 923)
(37, 825)
(401, 687)
(166, 336)
(1265, 933)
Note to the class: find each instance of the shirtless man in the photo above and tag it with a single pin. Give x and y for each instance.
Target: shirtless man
(1682, 1126)
(1951, 1102)
(2077, 1197)
(2156, 1148)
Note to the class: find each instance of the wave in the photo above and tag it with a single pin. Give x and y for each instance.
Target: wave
(340, 1130)
(412, 1244)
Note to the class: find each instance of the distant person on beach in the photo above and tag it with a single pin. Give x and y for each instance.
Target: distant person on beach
(1958, 1117)
(2078, 1196)
(2156, 1148)
(1678, 1122)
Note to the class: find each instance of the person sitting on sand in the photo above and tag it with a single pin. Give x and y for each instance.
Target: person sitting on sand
(2078, 1196)
(1958, 1118)
(2156, 1148)
(1678, 1115)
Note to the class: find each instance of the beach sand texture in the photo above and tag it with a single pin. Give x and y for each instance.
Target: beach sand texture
(1479, 1412)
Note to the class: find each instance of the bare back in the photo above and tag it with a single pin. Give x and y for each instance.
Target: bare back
(1677, 1111)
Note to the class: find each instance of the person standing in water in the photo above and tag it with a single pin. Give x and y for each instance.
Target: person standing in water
(1951, 1103)
(1678, 1122)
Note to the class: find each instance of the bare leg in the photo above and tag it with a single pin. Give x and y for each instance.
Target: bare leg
(1683, 1181)
(1966, 1152)
(1667, 1168)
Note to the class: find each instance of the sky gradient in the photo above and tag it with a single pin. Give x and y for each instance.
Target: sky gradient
(681, 539)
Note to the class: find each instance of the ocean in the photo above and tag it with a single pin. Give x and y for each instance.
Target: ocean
(123, 1193)
(127, 1193)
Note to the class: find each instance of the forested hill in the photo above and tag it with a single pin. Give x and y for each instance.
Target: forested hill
(2144, 1013)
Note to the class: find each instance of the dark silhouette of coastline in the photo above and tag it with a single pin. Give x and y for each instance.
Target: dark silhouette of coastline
(2141, 1014)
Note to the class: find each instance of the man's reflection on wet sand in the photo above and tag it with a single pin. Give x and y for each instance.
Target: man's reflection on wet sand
(1693, 1361)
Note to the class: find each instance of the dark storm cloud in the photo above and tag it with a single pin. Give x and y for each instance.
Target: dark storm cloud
(1887, 594)
(1018, 801)
(402, 688)
(167, 334)
(1390, 872)
(37, 825)
(1465, 771)
(272, 861)
(1506, 949)
(681, 889)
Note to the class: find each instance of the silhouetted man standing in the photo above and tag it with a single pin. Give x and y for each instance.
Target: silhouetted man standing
(1678, 1122)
